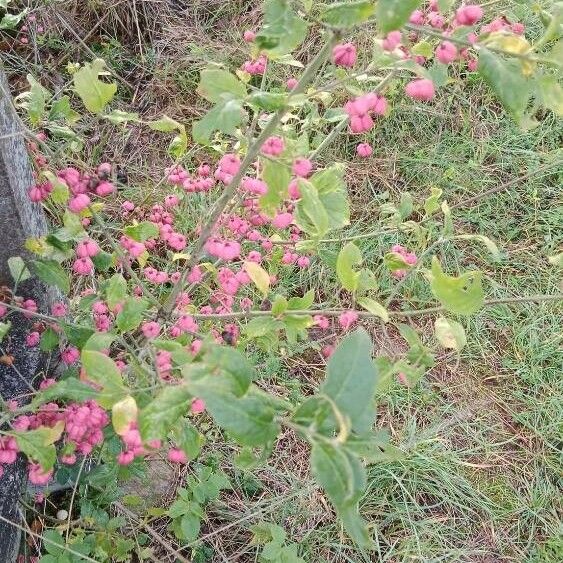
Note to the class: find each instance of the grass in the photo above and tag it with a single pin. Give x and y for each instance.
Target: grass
(481, 477)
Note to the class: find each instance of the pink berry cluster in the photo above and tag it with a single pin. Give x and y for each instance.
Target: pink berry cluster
(409, 258)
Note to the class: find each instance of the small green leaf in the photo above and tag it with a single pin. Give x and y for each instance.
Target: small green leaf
(374, 308)
(505, 78)
(159, 416)
(450, 334)
(70, 389)
(432, 203)
(188, 439)
(130, 317)
(117, 117)
(551, 94)
(283, 29)
(142, 231)
(300, 303)
(348, 14)
(462, 295)
(4, 329)
(38, 444)
(279, 305)
(52, 273)
(277, 177)
(99, 341)
(259, 276)
(269, 101)
(310, 213)
(392, 14)
(49, 340)
(94, 93)
(215, 83)
(351, 379)
(36, 100)
(10, 21)
(18, 269)
(349, 257)
(102, 370)
(60, 193)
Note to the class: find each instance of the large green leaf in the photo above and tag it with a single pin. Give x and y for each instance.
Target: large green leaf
(226, 116)
(248, 419)
(349, 257)
(348, 14)
(215, 83)
(283, 29)
(225, 361)
(505, 78)
(277, 176)
(36, 100)
(351, 379)
(392, 14)
(94, 93)
(463, 295)
(38, 444)
(343, 477)
(52, 273)
(71, 389)
(450, 334)
(158, 417)
(331, 188)
(102, 370)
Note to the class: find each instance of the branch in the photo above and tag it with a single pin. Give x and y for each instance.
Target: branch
(367, 314)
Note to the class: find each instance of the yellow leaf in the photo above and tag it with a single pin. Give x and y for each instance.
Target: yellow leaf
(259, 276)
(123, 413)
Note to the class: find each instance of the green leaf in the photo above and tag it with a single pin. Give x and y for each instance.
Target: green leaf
(102, 370)
(445, 5)
(347, 14)
(4, 329)
(332, 193)
(374, 308)
(142, 231)
(248, 419)
(70, 389)
(392, 14)
(225, 117)
(18, 269)
(259, 276)
(432, 203)
(462, 295)
(215, 83)
(115, 290)
(77, 335)
(283, 29)
(555, 260)
(223, 361)
(94, 93)
(10, 21)
(190, 525)
(188, 439)
(261, 326)
(505, 78)
(300, 303)
(450, 334)
(158, 417)
(349, 257)
(52, 273)
(351, 379)
(269, 101)
(343, 478)
(61, 110)
(38, 444)
(49, 340)
(551, 94)
(277, 177)
(165, 124)
(117, 117)
(99, 341)
(423, 48)
(279, 305)
(60, 193)
(53, 542)
(130, 317)
(36, 100)
(310, 213)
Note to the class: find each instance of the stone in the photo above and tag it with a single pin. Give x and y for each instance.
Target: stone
(20, 219)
